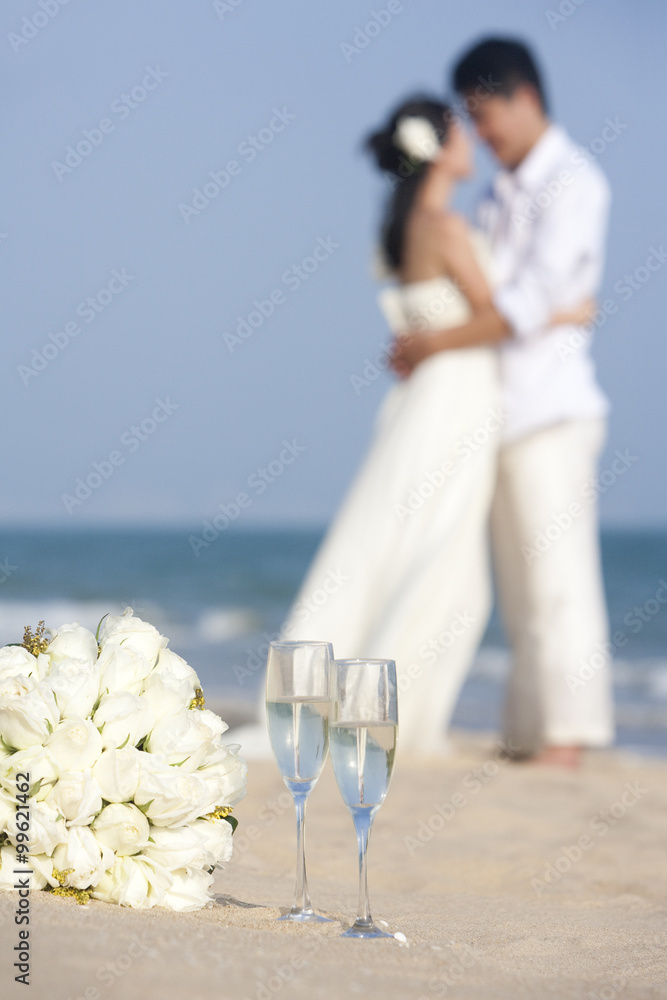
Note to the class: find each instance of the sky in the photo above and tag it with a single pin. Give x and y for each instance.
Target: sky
(172, 172)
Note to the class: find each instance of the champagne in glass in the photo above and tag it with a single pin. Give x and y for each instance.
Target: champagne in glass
(363, 727)
(297, 705)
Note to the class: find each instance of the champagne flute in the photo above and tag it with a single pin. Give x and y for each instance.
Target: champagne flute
(297, 705)
(363, 727)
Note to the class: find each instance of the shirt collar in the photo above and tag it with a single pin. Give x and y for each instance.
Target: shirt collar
(536, 166)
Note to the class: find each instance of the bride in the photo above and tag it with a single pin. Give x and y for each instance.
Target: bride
(403, 572)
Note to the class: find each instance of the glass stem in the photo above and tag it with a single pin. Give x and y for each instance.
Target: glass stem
(363, 821)
(301, 897)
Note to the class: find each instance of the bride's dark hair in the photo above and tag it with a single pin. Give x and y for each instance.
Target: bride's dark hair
(407, 174)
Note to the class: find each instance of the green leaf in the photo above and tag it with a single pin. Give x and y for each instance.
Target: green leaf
(49, 726)
(146, 806)
(232, 820)
(124, 743)
(36, 787)
(99, 625)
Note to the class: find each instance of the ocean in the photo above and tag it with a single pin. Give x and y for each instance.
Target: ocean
(220, 607)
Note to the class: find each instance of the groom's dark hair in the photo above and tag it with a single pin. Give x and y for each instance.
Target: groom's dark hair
(500, 65)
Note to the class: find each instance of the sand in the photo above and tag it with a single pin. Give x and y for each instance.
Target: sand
(526, 883)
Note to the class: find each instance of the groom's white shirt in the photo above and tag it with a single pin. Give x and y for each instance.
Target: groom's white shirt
(547, 223)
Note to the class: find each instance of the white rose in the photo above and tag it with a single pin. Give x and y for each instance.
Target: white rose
(134, 881)
(190, 890)
(36, 761)
(217, 838)
(47, 828)
(75, 744)
(76, 686)
(28, 712)
(123, 668)
(7, 809)
(117, 772)
(72, 642)
(77, 796)
(82, 852)
(34, 871)
(8, 876)
(166, 694)
(171, 796)
(16, 661)
(178, 736)
(7, 865)
(42, 871)
(133, 633)
(226, 775)
(123, 828)
(417, 137)
(201, 844)
(123, 719)
(172, 665)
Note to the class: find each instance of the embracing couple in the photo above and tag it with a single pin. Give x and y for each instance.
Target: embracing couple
(486, 443)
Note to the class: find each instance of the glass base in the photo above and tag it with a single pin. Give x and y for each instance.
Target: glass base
(305, 917)
(366, 931)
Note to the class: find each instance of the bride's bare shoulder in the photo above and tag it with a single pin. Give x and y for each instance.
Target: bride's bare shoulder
(453, 224)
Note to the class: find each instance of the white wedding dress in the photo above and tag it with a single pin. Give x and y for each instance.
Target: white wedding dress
(403, 572)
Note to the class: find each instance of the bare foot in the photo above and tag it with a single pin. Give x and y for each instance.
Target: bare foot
(559, 757)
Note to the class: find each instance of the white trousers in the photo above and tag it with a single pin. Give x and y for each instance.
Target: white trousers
(547, 562)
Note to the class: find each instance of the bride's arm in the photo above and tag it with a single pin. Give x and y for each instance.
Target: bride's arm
(486, 326)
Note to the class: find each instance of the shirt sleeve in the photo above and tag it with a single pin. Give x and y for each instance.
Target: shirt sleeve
(562, 264)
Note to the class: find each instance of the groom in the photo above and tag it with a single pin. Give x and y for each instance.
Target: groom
(545, 217)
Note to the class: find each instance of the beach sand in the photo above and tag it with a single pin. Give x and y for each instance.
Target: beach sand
(476, 924)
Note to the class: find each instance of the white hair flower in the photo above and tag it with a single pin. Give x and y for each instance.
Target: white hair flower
(417, 137)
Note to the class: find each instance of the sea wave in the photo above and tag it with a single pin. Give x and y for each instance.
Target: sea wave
(212, 626)
(647, 674)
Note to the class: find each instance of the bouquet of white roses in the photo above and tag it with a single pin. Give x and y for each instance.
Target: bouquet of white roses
(114, 782)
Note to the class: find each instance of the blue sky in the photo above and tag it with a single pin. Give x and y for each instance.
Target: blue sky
(162, 375)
